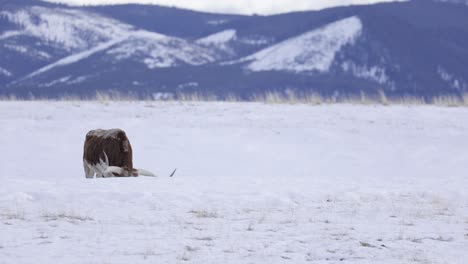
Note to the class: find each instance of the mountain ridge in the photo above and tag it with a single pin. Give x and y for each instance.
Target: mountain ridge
(402, 48)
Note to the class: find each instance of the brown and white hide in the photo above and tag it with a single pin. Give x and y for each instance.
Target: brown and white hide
(108, 153)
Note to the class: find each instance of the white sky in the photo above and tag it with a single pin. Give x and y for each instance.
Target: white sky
(236, 6)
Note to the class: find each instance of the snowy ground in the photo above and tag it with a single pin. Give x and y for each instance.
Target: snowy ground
(255, 184)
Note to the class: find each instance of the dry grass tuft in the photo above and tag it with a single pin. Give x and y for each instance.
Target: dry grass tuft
(287, 96)
(71, 216)
(205, 214)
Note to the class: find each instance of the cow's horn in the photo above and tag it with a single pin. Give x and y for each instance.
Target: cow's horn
(145, 173)
(106, 158)
(113, 169)
(108, 171)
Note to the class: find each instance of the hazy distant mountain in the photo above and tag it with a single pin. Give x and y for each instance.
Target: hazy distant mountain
(403, 48)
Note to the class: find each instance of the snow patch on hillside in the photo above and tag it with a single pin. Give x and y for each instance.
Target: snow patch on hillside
(451, 79)
(55, 82)
(31, 52)
(17, 48)
(220, 38)
(311, 51)
(256, 40)
(72, 29)
(5, 72)
(463, 2)
(371, 73)
(75, 57)
(148, 35)
(78, 79)
(9, 34)
(217, 22)
(220, 41)
(159, 51)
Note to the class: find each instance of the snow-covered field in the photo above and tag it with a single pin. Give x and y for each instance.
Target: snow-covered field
(255, 183)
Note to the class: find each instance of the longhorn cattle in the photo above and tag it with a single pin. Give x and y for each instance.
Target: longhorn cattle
(108, 153)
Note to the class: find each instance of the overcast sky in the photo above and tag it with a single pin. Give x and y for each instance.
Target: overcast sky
(237, 6)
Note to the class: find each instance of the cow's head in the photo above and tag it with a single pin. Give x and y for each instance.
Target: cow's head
(114, 171)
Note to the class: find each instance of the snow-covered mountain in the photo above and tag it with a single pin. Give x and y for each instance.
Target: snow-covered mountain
(311, 51)
(69, 29)
(81, 34)
(402, 48)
